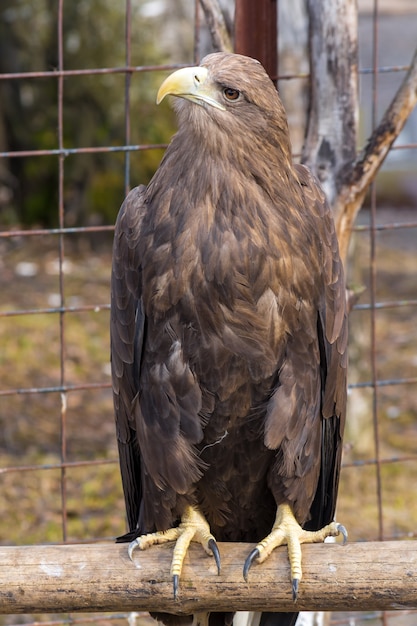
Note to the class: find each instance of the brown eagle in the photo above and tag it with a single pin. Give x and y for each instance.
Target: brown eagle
(228, 332)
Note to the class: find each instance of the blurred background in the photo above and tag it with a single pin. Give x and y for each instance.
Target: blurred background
(78, 127)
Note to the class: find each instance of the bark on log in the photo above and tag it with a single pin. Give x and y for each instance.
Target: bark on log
(330, 144)
(217, 26)
(100, 577)
(367, 165)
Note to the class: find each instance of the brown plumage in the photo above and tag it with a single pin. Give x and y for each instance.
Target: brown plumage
(228, 322)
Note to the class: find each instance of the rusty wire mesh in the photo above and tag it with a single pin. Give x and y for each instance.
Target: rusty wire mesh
(80, 460)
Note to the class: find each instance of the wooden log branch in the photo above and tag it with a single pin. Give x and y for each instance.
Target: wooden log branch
(330, 142)
(217, 26)
(100, 577)
(366, 166)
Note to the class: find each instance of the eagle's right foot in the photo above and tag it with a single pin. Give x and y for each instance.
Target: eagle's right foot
(193, 527)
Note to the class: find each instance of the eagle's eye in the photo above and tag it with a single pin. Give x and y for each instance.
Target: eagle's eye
(231, 94)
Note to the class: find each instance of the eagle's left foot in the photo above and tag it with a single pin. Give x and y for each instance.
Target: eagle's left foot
(193, 527)
(287, 531)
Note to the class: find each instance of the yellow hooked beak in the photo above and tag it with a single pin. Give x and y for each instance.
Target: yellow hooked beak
(192, 84)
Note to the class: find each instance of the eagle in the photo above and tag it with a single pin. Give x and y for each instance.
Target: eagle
(228, 333)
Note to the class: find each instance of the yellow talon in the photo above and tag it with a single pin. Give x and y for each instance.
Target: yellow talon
(193, 527)
(287, 531)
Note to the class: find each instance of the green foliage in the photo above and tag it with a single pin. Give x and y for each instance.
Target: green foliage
(93, 107)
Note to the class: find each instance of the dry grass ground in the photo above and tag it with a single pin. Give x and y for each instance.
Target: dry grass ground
(31, 423)
(396, 358)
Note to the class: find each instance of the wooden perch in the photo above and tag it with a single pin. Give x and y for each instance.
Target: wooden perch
(100, 577)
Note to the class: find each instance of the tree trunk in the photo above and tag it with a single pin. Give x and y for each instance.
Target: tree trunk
(330, 145)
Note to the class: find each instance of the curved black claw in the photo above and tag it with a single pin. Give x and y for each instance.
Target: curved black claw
(295, 584)
(175, 584)
(342, 530)
(248, 563)
(215, 549)
(132, 546)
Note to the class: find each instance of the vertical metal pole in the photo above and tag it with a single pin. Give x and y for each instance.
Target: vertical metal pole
(256, 32)
(373, 287)
(61, 213)
(197, 30)
(373, 281)
(128, 79)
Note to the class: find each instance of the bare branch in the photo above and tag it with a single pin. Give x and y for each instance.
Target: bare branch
(100, 577)
(217, 25)
(366, 166)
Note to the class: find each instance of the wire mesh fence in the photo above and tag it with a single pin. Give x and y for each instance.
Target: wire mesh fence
(59, 470)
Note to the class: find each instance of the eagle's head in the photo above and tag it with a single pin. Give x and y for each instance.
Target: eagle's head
(232, 91)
